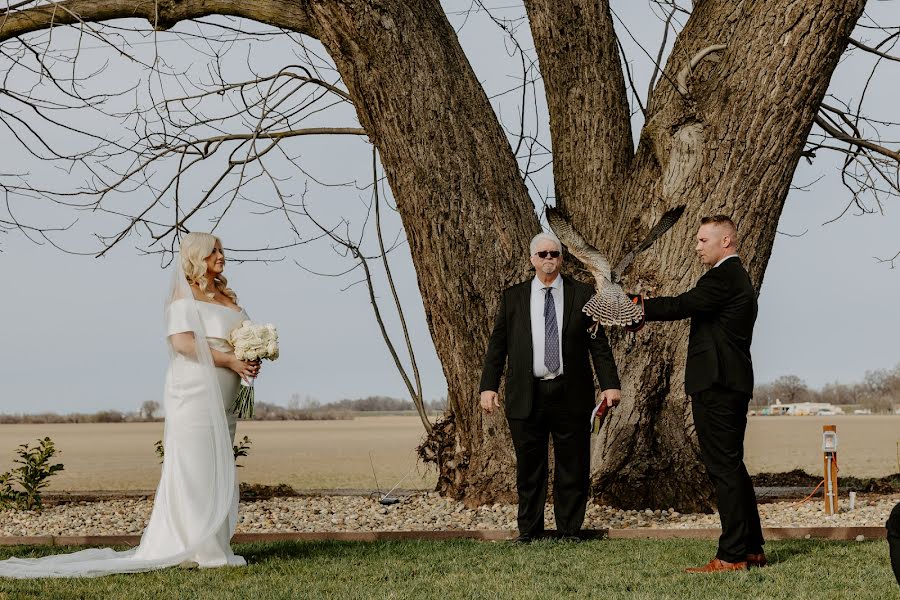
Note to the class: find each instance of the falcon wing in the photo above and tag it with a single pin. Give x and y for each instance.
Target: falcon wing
(580, 249)
(669, 218)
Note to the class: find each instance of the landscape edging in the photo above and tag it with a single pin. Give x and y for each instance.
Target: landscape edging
(770, 533)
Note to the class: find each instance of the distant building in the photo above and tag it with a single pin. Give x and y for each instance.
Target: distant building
(802, 409)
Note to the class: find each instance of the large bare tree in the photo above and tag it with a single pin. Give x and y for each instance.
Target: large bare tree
(727, 118)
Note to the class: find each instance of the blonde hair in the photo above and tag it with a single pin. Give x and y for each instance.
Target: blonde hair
(195, 249)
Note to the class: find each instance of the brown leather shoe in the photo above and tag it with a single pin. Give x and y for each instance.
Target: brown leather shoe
(716, 565)
(756, 560)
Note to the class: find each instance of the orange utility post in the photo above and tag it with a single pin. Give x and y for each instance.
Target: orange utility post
(829, 448)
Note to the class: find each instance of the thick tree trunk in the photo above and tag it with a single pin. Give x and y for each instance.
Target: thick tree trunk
(590, 122)
(731, 145)
(465, 209)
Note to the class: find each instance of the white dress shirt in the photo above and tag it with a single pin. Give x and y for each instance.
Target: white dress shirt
(537, 324)
(724, 259)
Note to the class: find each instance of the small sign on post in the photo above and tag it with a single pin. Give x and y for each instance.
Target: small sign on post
(829, 448)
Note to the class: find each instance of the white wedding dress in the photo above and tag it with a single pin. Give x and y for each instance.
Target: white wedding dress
(196, 504)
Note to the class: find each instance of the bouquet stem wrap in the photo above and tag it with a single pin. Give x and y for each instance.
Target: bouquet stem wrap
(243, 404)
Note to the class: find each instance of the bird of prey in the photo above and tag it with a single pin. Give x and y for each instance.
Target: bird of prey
(609, 305)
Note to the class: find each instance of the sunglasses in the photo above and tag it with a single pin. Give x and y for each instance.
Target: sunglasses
(546, 253)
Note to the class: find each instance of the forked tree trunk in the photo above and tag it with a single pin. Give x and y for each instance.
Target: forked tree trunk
(731, 146)
(465, 209)
(727, 143)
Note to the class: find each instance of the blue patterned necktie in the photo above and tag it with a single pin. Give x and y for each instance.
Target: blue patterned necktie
(551, 333)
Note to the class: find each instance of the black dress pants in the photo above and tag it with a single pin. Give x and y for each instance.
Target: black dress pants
(893, 536)
(552, 413)
(720, 418)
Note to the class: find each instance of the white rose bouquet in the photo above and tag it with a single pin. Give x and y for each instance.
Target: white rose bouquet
(252, 341)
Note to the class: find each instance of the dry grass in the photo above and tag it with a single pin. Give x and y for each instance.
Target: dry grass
(335, 454)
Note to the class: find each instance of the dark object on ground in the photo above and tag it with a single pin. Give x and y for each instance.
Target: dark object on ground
(798, 478)
(261, 492)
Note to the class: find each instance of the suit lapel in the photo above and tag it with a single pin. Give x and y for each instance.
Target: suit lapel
(525, 307)
(568, 302)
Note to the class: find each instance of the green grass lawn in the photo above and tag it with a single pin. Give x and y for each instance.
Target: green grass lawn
(608, 569)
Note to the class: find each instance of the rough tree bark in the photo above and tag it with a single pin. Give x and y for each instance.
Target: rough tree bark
(729, 142)
(590, 121)
(464, 207)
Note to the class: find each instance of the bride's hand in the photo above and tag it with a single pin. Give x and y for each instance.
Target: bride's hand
(247, 369)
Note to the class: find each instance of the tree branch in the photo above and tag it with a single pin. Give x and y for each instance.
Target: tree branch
(417, 395)
(843, 136)
(287, 14)
(874, 51)
(662, 48)
(276, 135)
(695, 60)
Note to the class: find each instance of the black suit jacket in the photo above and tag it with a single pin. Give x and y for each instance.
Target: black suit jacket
(722, 309)
(510, 343)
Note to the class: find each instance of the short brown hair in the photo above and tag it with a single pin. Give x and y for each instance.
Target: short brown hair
(718, 220)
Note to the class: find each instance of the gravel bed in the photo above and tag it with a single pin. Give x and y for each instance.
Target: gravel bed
(417, 512)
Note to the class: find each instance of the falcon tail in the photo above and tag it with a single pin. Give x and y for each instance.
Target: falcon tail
(611, 306)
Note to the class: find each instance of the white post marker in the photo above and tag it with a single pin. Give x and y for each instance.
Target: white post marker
(829, 448)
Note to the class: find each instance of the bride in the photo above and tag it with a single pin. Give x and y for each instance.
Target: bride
(196, 504)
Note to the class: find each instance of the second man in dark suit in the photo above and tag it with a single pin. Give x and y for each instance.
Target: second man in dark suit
(540, 334)
(719, 379)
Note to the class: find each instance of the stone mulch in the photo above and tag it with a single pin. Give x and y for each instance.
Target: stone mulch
(415, 512)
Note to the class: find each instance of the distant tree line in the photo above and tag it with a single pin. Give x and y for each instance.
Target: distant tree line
(306, 408)
(149, 411)
(879, 391)
(376, 404)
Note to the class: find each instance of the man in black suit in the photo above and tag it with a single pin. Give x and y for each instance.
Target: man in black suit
(719, 379)
(893, 537)
(541, 334)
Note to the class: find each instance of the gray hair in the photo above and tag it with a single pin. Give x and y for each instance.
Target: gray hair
(543, 236)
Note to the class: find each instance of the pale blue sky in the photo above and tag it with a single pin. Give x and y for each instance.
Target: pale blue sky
(83, 334)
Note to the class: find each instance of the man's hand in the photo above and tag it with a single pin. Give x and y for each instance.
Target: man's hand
(489, 401)
(612, 396)
(639, 300)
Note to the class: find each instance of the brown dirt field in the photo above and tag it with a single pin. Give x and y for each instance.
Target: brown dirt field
(303, 454)
(867, 444)
(335, 454)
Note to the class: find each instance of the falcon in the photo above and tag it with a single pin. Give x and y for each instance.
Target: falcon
(610, 305)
